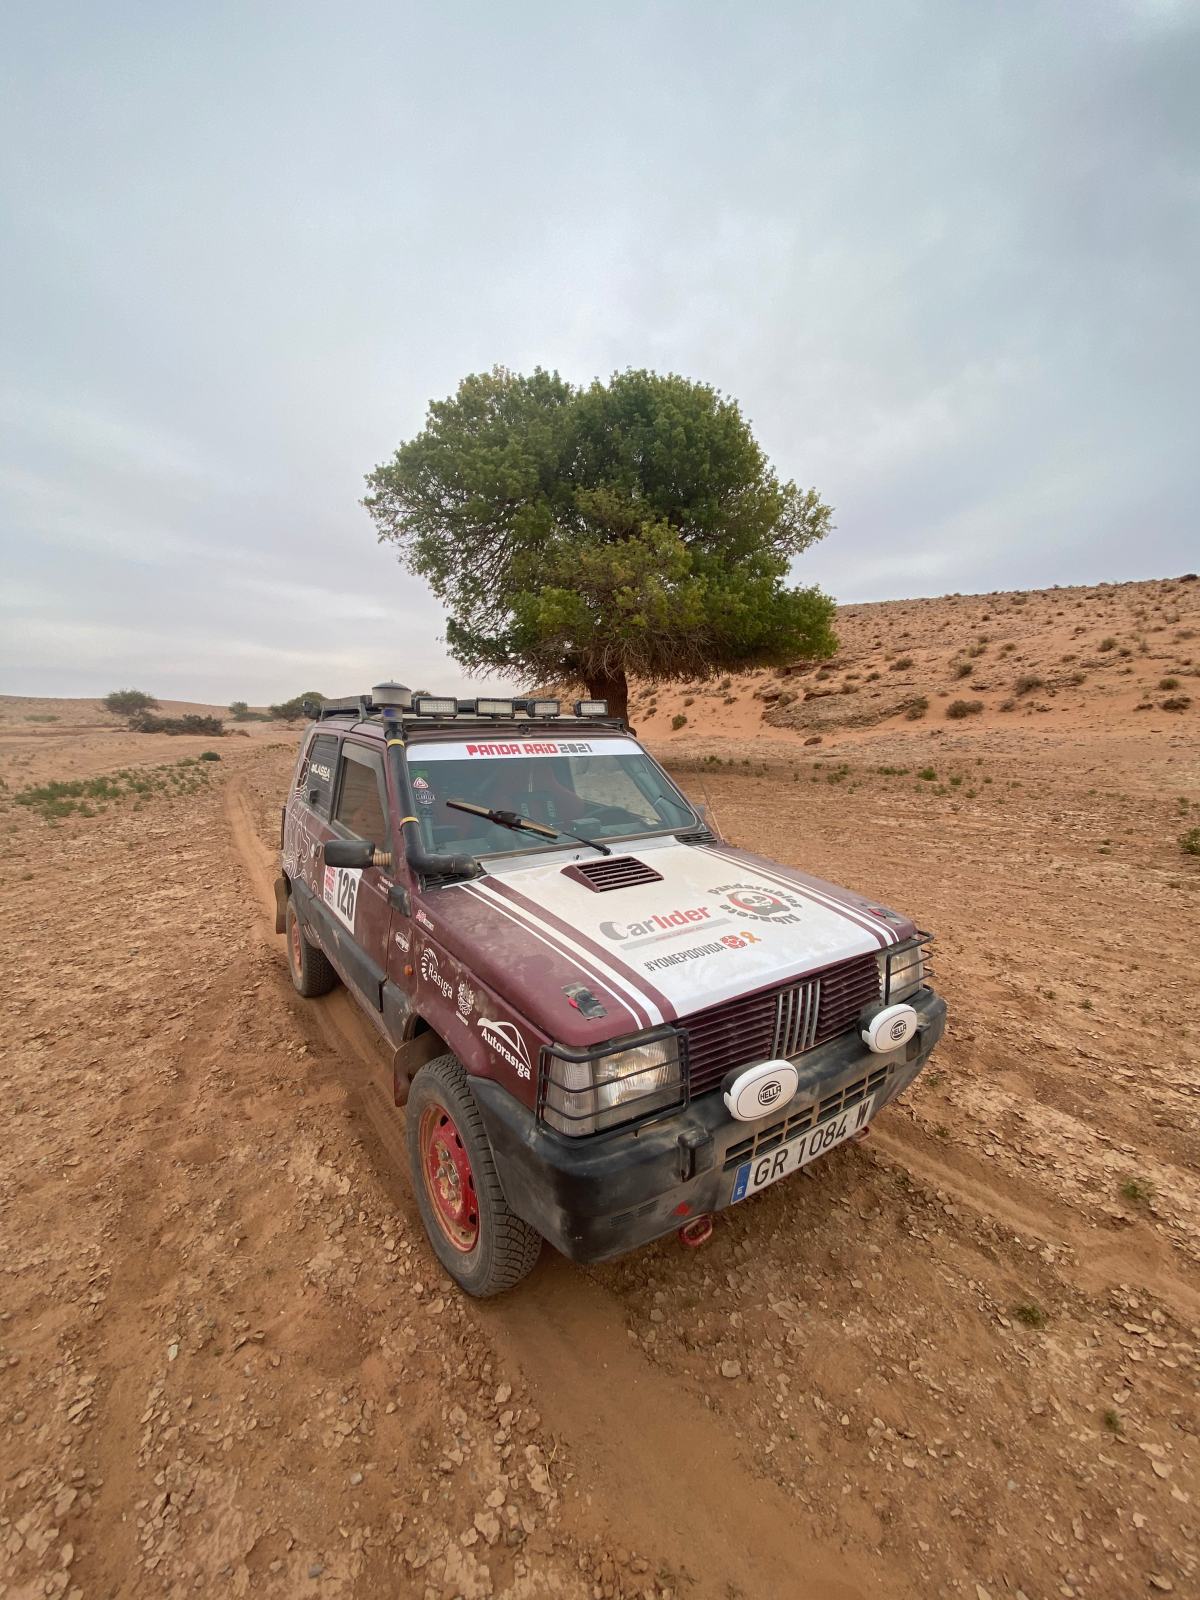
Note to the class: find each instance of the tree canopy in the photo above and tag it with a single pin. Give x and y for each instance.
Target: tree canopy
(127, 702)
(632, 528)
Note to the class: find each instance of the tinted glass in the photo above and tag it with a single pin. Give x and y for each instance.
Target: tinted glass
(317, 782)
(360, 806)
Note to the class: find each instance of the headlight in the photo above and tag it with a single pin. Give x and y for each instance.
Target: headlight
(587, 1094)
(901, 972)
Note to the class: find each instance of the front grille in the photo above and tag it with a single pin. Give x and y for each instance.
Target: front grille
(779, 1023)
(756, 1144)
(612, 872)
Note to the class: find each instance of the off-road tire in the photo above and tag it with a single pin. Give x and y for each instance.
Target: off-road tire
(312, 971)
(507, 1248)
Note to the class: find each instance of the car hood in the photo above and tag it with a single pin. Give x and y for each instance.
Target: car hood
(708, 923)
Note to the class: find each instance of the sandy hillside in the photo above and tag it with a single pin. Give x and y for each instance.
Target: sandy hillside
(1087, 660)
(959, 1359)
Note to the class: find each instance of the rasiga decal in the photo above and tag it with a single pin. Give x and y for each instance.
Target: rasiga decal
(507, 1040)
(341, 892)
(432, 973)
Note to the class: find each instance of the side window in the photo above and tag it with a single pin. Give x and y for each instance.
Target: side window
(322, 764)
(360, 807)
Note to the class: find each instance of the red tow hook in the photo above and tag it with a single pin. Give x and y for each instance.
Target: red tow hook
(696, 1232)
(863, 1133)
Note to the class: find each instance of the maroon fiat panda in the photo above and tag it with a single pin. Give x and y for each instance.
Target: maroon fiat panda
(606, 1024)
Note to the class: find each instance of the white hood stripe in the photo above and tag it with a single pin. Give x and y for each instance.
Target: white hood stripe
(632, 998)
(608, 961)
(512, 914)
(861, 919)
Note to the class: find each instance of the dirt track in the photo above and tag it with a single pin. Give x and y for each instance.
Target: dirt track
(234, 1366)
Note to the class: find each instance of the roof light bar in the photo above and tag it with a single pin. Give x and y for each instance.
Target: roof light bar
(591, 708)
(435, 705)
(493, 708)
(538, 708)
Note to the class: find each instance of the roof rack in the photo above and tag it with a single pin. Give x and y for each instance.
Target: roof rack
(398, 701)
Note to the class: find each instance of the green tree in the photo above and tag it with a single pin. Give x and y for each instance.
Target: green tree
(632, 528)
(128, 702)
(291, 710)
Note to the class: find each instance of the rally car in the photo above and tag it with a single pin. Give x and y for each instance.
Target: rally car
(606, 1023)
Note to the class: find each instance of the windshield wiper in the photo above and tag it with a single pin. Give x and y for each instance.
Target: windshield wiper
(514, 820)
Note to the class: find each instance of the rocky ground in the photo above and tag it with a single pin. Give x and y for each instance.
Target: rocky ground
(958, 1359)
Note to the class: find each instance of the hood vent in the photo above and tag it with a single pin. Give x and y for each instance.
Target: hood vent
(612, 872)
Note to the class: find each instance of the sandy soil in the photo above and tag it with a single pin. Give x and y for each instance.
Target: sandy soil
(957, 1359)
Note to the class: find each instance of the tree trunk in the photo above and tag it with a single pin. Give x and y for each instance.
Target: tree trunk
(613, 687)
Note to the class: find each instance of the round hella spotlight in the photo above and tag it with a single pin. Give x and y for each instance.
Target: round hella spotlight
(888, 1028)
(757, 1091)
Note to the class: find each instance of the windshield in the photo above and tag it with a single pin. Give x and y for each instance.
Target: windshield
(601, 788)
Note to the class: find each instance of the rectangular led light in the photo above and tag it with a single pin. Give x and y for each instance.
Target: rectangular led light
(435, 705)
(494, 708)
(542, 708)
(591, 708)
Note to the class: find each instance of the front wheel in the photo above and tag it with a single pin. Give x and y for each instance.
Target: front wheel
(485, 1247)
(312, 971)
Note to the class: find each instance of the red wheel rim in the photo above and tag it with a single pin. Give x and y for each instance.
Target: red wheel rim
(449, 1181)
(294, 945)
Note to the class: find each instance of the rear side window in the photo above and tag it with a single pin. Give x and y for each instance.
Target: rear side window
(360, 807)
(322, 764)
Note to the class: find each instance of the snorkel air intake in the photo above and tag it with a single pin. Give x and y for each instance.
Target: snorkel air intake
(419, 859)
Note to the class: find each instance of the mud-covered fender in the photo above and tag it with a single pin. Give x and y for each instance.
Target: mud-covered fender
(410, 1057)
(282, 890)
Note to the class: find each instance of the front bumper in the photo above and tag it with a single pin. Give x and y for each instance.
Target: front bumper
(597, 1197)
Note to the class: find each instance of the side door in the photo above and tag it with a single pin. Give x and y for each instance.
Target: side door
(356, 901)
(306, 825)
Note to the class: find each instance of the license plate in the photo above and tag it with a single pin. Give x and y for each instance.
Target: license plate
(796, 1153)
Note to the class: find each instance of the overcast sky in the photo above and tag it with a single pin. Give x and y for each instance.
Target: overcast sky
(947, 257)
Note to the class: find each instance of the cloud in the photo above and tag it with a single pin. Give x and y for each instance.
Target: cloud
(944, 255)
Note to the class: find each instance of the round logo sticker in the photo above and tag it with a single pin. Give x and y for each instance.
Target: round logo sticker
(769, 1092)
(759, 902)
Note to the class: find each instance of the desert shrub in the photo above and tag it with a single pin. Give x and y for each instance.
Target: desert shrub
(62, 797)
(1189, 842)
(1027, 683)
(42, 717)
(1107, 644)
(1168, 683)
(128, 702)
(928, 775)
(901, 664)
(916, 709)
(957, 709)
(678, 720)
(963, 669)
(241, 712)
(146, 722)
(1008, 705)
(1175, 702)
(1078, 678)
(209, 755)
